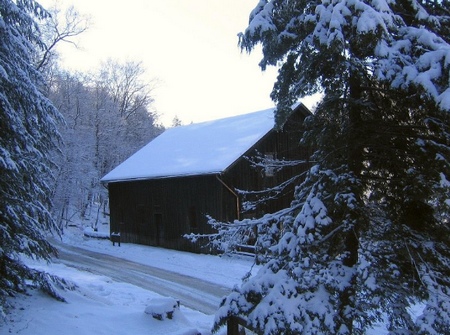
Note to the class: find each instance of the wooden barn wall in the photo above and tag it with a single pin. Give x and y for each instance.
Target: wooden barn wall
(159, 212)
(284, 144)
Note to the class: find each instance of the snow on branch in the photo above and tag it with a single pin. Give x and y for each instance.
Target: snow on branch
(51, 284)
(231, 236)
(269, 162)
(266, 194)
(269, 166)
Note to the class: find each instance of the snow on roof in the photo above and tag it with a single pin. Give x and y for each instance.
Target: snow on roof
(202, 148)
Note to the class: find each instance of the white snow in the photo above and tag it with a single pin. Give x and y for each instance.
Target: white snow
(163, 308)
(101, 306)
(203, 148)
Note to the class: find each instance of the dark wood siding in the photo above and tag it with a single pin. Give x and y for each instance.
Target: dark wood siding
(159, 212)
(283, 144)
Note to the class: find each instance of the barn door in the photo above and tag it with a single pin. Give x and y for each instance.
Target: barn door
(157, 217)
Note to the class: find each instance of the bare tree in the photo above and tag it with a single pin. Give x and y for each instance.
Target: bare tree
(60, 27)
(127, 86)
(176, 122)
(97, 136)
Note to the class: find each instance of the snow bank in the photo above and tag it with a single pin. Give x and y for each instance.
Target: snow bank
(163, 308)
(90, 232)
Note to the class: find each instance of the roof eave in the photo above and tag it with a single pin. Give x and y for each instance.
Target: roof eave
(131, 179)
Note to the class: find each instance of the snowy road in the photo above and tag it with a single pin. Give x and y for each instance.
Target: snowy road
(192, 292)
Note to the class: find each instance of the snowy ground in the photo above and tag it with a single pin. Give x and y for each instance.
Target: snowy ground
(101, 306)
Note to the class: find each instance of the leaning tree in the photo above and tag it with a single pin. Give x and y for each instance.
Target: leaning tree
(366, 239)
(28, 133)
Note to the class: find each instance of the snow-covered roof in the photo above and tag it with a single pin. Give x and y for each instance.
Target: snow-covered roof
(196, 149)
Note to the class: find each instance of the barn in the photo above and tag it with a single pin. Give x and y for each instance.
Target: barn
(170, 186)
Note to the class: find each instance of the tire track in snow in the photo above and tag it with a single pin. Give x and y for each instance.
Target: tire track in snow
(192, 292)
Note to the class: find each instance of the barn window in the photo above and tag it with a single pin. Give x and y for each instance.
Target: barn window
(269, 168)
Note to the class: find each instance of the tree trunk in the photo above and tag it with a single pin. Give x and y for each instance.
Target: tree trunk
(355, 163)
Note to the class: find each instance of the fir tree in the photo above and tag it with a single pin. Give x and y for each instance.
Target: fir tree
(366, 237)
(28, 132)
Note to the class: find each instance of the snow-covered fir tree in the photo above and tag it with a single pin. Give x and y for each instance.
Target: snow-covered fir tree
(28, 133)
(367, 235)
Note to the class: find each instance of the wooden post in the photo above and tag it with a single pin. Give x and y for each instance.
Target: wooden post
(115, 237)
(232, 326)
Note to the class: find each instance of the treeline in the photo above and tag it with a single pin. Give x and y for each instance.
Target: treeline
(60, 132)
(107, 115)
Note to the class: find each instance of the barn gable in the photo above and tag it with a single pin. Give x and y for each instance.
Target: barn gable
(170, 186)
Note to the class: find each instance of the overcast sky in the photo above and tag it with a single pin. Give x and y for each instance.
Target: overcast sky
(190, 46)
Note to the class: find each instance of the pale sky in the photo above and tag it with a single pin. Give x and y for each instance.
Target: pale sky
(190, 46)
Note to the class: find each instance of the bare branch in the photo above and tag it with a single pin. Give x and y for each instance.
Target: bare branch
(57, 29)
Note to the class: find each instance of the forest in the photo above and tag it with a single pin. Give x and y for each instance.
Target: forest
(366, 236)
(61, 132)
(108, 115)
